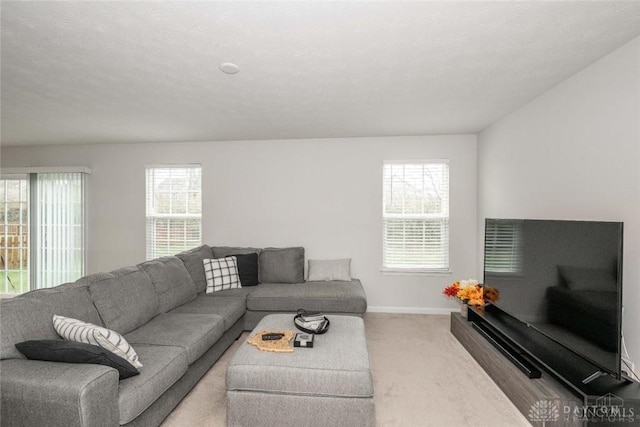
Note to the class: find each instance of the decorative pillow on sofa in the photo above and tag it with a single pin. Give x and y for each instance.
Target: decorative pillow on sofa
(247, 269)
(221, 274)
(88, 333)
(75, 352)
(330, 269)
(282, 265)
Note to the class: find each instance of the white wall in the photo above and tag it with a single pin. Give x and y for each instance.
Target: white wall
(323, 194)
(574, 153)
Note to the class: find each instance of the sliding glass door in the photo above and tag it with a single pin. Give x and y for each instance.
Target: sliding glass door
(14, 234)
(42, 233)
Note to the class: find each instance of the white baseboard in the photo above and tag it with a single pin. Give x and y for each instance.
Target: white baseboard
(411, 310)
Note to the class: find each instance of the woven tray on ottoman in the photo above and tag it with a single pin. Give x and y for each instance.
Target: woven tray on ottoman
(327, 385)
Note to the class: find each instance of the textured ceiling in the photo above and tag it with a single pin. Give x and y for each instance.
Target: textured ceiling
(104, 72)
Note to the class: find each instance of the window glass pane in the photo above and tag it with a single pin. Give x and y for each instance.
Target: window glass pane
(174, 207)
(14, 236)
(416, 215)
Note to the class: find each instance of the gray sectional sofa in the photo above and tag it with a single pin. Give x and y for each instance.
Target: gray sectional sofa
(162, 310)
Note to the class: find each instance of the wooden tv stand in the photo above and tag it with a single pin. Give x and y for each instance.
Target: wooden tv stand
(522, 391)
(525, 392)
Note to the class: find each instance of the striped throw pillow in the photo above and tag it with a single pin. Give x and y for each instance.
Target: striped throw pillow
(88, 333)
(221, 274)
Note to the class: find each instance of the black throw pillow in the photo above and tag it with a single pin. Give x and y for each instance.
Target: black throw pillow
(247, 269)
(75, 352)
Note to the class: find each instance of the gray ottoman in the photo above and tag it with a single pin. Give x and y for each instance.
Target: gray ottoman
(327, 385)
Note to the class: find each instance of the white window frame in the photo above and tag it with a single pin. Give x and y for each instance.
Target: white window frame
(153, 214)
(443, 216)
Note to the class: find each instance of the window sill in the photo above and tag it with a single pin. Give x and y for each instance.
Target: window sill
(414, 272)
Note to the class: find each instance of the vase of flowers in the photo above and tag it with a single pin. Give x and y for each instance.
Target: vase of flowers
(470, 292)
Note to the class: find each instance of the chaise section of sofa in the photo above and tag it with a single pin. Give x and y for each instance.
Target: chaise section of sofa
(50, 393)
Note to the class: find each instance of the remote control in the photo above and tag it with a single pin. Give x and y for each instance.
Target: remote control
(271, 337)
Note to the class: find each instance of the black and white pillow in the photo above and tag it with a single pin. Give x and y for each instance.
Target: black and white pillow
(88, 333)
(221, 274)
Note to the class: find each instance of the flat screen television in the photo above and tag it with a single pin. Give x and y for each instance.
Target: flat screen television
(562, 278)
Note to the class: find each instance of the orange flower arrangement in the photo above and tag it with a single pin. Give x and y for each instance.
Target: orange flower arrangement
(471, 292)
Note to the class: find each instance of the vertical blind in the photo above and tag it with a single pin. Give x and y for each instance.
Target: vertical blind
(416, 215)
(60, 247)
(503, 246)
(174, 209)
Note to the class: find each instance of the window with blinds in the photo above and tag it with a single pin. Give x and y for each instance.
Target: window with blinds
(416, 216)
(503, 246)
(174, 209)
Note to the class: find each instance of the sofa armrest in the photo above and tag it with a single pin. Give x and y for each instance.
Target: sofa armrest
(58, 394)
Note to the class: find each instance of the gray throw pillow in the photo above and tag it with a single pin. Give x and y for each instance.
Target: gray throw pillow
(282, 265)
(330, 269)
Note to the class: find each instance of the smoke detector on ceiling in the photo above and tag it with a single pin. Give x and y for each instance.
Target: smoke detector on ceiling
(229, 68)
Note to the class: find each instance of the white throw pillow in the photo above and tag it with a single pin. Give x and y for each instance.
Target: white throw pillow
(330, 269)
(88, 333)
(221, 274)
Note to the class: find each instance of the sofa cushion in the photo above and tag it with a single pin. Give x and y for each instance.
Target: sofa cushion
(28, 317)
(192, 260)
(328, 297)
(75, 352)
(240, 292)
(164, 365)
(282, 265)
(196, 333)
(223, 251)
(125, 298)
(231, 309)
(247, 269)
(23, 319)
(79, 331)
(172, 282)
(329, 269)
(222, 274)
(69, 299)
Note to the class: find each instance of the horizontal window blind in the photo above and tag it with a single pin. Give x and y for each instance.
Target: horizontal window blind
(503, 246)
(174, 209)
(416, 215)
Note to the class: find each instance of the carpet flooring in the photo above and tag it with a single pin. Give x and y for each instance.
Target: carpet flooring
(423, 377)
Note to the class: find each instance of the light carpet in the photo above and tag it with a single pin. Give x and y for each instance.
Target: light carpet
(422, 377)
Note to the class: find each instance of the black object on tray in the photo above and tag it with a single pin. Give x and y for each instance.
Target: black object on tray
(303, 340)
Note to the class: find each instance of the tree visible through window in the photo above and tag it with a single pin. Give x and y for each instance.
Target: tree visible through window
(174, 209)
(416, 216)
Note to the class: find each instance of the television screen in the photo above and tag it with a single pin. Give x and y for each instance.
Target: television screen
(563, 278)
